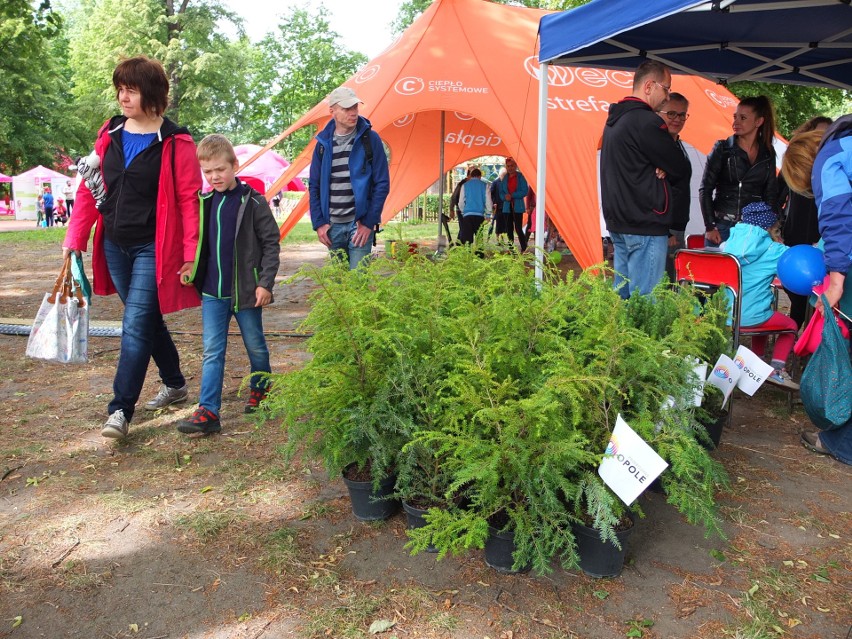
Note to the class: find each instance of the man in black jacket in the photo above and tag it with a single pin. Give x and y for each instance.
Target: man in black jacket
(639, 163)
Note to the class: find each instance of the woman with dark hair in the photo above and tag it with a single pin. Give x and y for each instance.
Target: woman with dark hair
(740, 170)
(799, 218)
(146, 233)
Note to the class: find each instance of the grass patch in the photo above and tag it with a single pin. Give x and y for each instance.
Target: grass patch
(348, 620)
(235, 485)
(443, 621)
(245, 475)
(207, 525)
(77, 576)
(317, 510)
(23, 451)
(41, 408)
(35, 238)
(281, 550)
(120, 502)
(771, 590)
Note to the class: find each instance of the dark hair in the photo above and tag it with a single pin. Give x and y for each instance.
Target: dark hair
(812, 124)
(762, 107)
(653, 69)
(677, 97)
(148, 77)
(475, 173)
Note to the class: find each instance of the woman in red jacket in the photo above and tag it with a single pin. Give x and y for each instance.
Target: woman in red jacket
(146, 232)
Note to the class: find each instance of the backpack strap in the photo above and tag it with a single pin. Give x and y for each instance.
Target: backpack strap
(368, 148)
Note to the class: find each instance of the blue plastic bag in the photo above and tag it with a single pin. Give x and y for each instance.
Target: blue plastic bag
(826, 385)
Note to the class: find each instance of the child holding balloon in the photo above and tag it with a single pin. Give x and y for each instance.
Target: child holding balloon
(758, 253)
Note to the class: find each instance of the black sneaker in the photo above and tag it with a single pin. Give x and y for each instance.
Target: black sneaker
(254, 399)
(202, 422)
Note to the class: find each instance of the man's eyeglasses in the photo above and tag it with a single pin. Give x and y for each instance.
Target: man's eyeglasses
(665, 88)
(671, 115)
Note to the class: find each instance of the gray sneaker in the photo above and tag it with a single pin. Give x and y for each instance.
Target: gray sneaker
(116, 426)
(167, 396)
(782, 379)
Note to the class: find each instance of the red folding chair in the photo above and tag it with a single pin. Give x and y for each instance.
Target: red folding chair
(710, 270)
(695, 241)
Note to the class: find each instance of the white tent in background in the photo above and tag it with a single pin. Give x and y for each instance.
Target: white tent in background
(27, 186)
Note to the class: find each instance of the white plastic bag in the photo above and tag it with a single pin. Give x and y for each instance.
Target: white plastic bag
(60, 330)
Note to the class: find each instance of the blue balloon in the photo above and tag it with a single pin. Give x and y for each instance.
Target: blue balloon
(801, 268)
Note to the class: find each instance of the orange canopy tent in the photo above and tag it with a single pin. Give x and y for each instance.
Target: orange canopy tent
(475, 62)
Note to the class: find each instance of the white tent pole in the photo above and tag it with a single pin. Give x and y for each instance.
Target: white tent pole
(441, 183)
(541, 170)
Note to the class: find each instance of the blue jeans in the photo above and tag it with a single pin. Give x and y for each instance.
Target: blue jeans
(341, 243)
(724, 227)
(639, 262)
(143, 331)
(216, 315)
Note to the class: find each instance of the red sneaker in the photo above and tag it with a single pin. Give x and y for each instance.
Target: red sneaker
(201, 422)
(254, 399)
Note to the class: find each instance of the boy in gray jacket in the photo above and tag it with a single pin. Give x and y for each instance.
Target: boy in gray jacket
(234, 271)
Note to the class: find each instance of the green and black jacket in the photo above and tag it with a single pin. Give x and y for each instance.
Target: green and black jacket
(256, 247)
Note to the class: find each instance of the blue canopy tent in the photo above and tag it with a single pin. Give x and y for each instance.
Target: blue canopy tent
(806, 42)
(787, 41)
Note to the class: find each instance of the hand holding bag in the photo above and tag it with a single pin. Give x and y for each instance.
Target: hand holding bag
(826, 385)
(811, 336)
(60, 330)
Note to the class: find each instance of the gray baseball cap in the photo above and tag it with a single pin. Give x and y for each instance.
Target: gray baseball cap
(344, 96)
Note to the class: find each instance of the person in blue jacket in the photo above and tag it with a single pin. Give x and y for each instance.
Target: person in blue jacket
(758, 253)
(822, 164)
(349, 180)
(48, 206)
(474, 202)
(513, 191)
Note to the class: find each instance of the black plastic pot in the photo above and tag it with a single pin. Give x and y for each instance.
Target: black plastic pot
(598, 558)
(714, 430)
(369, 504)
(414, 516)
(499, 548)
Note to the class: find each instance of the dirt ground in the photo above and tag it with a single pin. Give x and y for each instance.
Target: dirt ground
(166, 537)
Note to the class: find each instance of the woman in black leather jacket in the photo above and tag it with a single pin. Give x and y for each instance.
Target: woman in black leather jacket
(740, 170)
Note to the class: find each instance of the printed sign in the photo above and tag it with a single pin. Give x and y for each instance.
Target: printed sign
(630, 465)
(753, 370)
(699, 374)
(724, 376)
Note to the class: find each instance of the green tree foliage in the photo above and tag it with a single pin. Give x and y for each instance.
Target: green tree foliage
(294, 68)
(480, 388)
(31, 125)
(199, 59)
(795, 105)
(105, 31)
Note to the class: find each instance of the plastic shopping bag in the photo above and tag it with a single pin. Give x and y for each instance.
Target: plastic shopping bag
(60, 330)
(826, 384)
(811, 336)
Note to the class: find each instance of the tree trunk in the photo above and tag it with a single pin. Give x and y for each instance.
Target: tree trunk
(174, 30)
